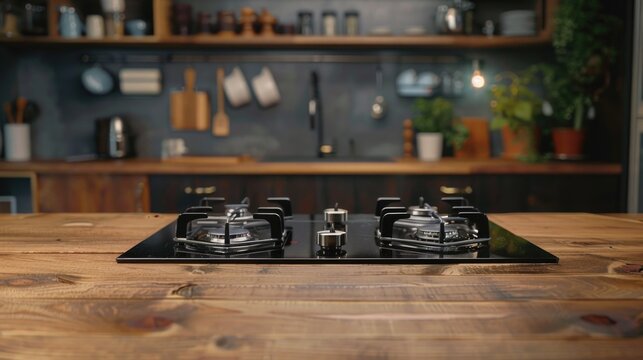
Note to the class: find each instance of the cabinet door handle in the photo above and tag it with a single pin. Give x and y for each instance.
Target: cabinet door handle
(449, 190)
(201, 190)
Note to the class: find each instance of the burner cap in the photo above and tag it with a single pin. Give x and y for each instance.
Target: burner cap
(421, 211)
(452, 232)
(217, 235)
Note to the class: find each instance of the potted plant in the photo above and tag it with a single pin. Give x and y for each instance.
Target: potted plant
(515, 109)
(583, 43)
(434, 123)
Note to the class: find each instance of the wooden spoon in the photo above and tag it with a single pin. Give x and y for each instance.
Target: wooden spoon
(7, 110)
(221, 122)
(21, 105)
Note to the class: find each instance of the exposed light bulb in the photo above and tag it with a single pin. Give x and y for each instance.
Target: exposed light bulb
(477, 79)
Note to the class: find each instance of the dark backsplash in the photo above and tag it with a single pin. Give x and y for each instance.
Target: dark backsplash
(51, 77)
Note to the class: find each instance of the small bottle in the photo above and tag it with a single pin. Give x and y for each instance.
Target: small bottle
(329, 21)
(305, 25)
(458, 83)
(447, 84)
(351, 22)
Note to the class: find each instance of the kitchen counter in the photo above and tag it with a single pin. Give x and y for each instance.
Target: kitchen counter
(63, 294)
(214, 165)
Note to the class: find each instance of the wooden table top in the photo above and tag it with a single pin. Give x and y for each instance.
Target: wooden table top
(226, 166)
(63, 295)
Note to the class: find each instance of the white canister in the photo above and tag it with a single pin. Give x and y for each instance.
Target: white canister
(17, 141)
(430, 146)
(95, 27)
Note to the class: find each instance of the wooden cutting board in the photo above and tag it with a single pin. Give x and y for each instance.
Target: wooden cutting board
(478, 144)
(190, 109)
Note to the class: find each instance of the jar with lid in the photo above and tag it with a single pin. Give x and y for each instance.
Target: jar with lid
(227, 23)
(329, 23)
(8, 20)
(351, 22)
(305, 25)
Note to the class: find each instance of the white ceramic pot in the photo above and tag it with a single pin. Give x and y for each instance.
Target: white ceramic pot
(17, 142)
(430, 146)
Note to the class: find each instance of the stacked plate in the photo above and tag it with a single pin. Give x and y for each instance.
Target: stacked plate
(518, 23)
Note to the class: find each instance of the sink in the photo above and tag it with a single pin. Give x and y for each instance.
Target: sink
(328, 159)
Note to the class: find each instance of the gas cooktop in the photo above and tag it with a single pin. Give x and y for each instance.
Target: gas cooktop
(217, 232)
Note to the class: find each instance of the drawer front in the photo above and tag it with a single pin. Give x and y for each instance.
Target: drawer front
(558, 193)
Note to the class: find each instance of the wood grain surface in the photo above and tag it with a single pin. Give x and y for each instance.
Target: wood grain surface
(248, 167)
(63, 296)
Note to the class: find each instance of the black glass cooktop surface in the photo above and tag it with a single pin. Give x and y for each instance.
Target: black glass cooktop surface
(360, 247)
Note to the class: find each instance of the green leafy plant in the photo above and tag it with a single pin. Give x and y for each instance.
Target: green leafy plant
(583, 40)
(568, 105)
(513, 103)
(436, 116)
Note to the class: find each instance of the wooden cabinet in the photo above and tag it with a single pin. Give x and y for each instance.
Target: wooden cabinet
(595, 190)
(174, 193)
(311, 194)
(93, 193)
(524, 193)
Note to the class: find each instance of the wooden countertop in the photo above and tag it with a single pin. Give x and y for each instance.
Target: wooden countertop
(213, 165)
(63, 295)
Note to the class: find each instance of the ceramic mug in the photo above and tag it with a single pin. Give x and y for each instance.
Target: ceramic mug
(265, 88)
(95, 26)
(236, 88)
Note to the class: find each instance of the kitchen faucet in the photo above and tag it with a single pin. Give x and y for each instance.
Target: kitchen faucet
(316, 119)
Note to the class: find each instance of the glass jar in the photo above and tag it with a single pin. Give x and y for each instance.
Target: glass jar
(351, 22)
(329, 22)
(181, 19)
(9, 20)
(305, 25)
(227, 22)
(203, 23)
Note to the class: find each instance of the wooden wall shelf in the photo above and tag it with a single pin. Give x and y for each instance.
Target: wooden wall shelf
(162, 36)
(296, 41)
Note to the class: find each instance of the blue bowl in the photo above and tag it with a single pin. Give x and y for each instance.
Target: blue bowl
(136, 27)
(97, 80)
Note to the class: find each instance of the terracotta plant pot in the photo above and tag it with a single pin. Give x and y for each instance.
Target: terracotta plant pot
(568, 143)
(520, 142)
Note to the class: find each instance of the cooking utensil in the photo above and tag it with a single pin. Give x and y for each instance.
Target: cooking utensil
(190, 109)
(378, 108)
(456, 18)
(221, 122)
(236, 88)
(21, 105)
(9, 113)
(265, 88)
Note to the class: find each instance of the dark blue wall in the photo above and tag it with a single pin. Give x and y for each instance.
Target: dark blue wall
(66, 127)
(51, 77)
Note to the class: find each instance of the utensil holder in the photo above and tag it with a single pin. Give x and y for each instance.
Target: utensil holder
(17, 140)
